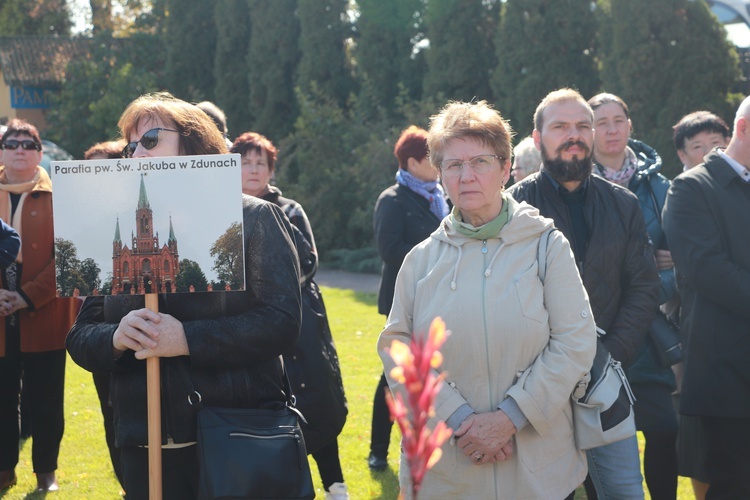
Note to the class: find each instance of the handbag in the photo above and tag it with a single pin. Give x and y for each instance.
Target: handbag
(603, 403)
(253, 453)
(665, 335)
(602, 400)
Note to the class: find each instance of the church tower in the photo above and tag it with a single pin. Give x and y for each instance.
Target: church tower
(144, 267)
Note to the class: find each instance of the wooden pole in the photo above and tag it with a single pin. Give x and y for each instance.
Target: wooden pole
(153, 390)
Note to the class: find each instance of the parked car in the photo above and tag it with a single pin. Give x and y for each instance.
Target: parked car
(53, 152)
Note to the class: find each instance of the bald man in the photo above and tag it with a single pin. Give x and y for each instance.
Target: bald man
(706, 223)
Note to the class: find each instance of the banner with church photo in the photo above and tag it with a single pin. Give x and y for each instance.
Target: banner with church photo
(148, 225)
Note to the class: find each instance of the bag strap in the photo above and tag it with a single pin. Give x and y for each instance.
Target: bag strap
(195, 399)
(541, 253)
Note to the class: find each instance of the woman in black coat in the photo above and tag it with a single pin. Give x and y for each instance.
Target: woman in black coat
(405, 214)
(313, 364)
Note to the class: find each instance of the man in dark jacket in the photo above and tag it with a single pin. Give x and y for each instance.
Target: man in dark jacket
(705, 220)
(606, 229)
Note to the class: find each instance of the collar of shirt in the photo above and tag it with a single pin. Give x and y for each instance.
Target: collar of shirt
(741, 170)
(580, 190)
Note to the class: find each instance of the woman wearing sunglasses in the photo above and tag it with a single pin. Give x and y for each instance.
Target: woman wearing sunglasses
(32, 332)
(227, 350)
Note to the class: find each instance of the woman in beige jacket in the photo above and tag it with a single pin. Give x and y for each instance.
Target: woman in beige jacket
(517, 345)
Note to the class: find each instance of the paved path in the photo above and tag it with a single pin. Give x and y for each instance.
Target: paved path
(358, 282)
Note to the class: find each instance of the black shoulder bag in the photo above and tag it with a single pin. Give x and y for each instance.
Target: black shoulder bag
(252, 453)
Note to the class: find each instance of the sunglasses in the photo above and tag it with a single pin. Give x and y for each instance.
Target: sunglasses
(28, 145)
(148, 140)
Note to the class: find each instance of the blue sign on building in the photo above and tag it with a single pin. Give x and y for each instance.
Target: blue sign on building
(30, 98)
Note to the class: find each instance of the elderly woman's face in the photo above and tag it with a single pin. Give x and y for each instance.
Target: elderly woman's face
(167, 143)
(256, 174)
(477, 195)
(20, 163)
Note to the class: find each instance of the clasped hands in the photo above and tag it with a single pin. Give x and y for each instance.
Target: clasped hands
(10, 302)
(486, 437)
(150, 334)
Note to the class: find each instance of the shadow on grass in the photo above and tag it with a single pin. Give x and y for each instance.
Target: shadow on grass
(388, 480)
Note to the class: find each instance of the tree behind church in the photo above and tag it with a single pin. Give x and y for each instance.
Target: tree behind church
(191, 274)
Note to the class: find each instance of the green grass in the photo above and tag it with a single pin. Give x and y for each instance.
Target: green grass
(85, 471)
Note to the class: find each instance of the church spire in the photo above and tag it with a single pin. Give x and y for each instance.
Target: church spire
(117, 232)
(171, 232)
(142, 197)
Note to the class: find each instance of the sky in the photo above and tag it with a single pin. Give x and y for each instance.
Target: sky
(202, 202)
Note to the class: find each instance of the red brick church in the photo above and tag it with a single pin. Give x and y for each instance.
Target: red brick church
(144, 267)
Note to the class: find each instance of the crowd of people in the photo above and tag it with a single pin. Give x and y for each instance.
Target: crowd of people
(458, 235)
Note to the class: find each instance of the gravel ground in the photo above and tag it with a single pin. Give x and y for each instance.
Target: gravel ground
(358, 282)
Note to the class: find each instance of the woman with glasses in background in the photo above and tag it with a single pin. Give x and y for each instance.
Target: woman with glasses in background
(517, 346)
(228, 350)
(35, 322)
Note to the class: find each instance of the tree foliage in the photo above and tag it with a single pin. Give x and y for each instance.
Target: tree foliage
(272, 63)
(384, 53)
(190, 45)
(460, 58)
(324, 29)
(365, 69)
(230, 66)
(98, 88)
(228, 257)
(542, 46)
(190, 274)
(665, 59)
(48, 17)
(73, 274)
(336, 163)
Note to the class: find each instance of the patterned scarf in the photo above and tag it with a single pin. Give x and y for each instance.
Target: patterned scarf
(624, 174)
(432, 191)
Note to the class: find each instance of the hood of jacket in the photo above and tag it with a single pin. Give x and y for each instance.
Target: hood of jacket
(649, 161)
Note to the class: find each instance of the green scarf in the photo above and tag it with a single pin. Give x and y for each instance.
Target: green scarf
(489, 230)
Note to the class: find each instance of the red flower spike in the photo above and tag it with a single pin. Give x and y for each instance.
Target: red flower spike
(414, 370)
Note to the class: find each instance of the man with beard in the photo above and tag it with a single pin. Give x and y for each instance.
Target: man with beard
(613, 251)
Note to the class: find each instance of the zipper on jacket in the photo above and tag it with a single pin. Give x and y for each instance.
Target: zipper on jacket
(484, 246)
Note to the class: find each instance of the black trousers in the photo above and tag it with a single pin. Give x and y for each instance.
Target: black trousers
(380, 436)
(727, 457)
(179, 472)
(44, 376)
(329, 464)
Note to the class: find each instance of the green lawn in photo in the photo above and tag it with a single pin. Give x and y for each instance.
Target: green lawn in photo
(85, 471)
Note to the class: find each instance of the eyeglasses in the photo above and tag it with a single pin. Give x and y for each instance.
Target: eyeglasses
(27, 144)
(480, 164)
(148, 140)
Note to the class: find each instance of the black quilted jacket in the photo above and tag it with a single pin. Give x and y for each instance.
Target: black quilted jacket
(235, 338)
(619, 269)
